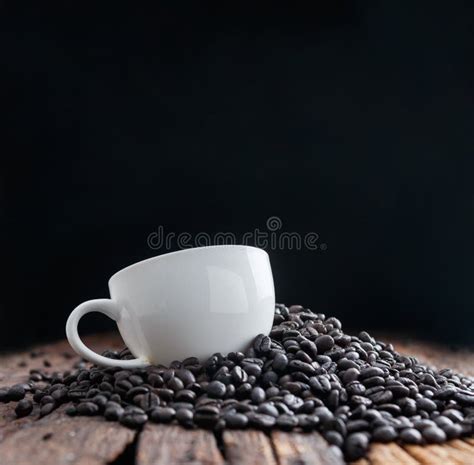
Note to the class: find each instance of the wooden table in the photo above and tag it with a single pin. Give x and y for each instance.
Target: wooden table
(61, 440)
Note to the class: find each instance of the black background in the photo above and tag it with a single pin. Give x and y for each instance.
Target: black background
(350, 119)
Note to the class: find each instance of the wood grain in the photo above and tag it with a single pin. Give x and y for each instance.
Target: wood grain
(304, 449)
(167, 445)
(59, 439)
(389, 454)
(248, 448)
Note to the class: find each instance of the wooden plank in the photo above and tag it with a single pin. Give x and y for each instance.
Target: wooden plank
(61, 440)
(248, 448)
(461, 445)
(389, 454)
(431, 455)
(169, 445)
(459, 456)
(304, 449)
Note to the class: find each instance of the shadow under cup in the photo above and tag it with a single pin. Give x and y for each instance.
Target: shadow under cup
(194, 302)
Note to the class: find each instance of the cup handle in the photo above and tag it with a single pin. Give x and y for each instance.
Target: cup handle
(112, 310)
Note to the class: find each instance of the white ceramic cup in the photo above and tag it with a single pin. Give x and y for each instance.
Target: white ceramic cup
(193, 302)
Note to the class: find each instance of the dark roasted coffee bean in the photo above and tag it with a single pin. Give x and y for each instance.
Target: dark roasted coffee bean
(324, 343)
(454, 415)
(238, 375)
(236, 420)
(133, 419)
(287, 422)
(155, 380)
(464, 398)
(46, 409)
(373, 381)
(175, 384)
(16, 392)
(453, 431)
(334, 438)
(216, 389)
(260, 420)
(268, 409)
(165, 394)
(262, 344)
(113, 411)
(100, 401)
(87, 408)
(350, 375)
(162, 414)
(257, 395)
(381, 397)
(185, 395)
(356, 446)
(426, 404)
(411, 436)
(148, 401)
(384, 434)
(357, 425)
(298, 365)
(433, 434)
(184, 417)
(23, 408)
(280, 362)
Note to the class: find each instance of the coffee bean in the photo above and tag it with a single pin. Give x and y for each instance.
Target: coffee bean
(46, 409)
(216, 389)
(262, 344)
(113, 411)
(162, 414)
(381, 397)
(357, 425)
(434, 434)
(185, 417)
(384, 434)
(16, 393)
(133, 419)
(464, 398)
(147, 401)
(426, 404)
(453, 431)
(454, 415)
(175, 384)
(257, 395)
(324, 343)
(287, 422)
(260, 420)
(356, 445)
(268, 409)
(87, 408)
(236, 420)
(100, 401)
(23, 408)
(280, 362)
(411, 436)
(370, 372)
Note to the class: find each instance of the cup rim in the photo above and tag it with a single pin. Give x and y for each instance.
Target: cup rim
(184, 251)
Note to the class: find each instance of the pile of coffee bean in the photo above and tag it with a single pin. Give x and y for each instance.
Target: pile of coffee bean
(306, 375)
